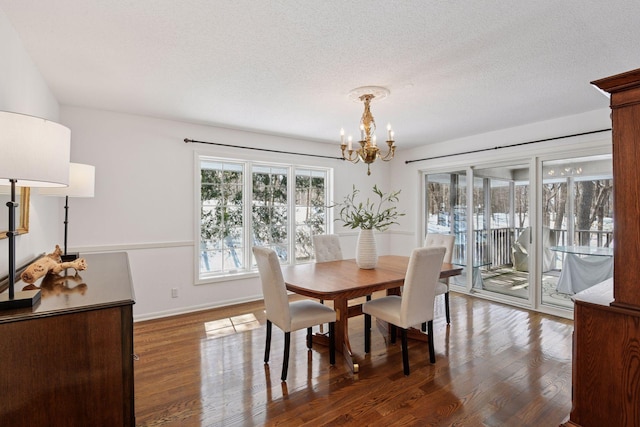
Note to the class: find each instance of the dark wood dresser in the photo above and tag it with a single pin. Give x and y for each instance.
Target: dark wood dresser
(606, 342)
(69, 361)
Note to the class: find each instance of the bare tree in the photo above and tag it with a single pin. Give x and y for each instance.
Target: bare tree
(601, 207)
(561, 204)
(585, 191)
(522, 204)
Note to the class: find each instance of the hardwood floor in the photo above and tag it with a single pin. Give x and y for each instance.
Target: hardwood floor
(496, 365)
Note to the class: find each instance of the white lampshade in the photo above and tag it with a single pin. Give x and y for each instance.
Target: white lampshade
(34, 151)
(81, 182)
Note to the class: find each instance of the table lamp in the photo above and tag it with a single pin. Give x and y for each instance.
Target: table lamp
(81, 184)
(35, 153)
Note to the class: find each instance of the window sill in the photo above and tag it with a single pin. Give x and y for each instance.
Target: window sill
(226, 277)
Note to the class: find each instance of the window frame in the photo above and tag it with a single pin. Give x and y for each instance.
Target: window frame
(248, 166)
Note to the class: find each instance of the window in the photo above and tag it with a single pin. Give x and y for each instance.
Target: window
(311, 210)
(270, 211)
(222, 239)
(245, 204)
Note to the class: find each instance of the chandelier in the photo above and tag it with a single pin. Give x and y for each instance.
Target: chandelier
(368, 151)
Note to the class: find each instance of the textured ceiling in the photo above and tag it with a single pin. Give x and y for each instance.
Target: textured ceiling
(454, 68)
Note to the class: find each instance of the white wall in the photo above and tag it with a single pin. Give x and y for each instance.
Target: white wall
(23, 90)
(144, 200)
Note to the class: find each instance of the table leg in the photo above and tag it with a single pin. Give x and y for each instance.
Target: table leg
(343, 345)
(342, 333)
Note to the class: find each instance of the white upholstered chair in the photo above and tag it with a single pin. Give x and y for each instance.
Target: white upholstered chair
(326, 247)
(415, 306)
(289, 316)
(447, 241)
(521, 247)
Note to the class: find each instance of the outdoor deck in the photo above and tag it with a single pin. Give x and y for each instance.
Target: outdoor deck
(507, 281)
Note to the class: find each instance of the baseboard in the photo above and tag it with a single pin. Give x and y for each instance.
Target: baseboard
(193, 309)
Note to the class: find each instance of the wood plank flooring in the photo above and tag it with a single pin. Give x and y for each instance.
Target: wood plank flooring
(496, 365)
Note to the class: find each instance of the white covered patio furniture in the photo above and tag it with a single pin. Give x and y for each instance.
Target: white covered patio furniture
(522, 248)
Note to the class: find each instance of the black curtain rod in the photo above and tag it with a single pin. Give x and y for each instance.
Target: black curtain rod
(187, 140)
(507, 146)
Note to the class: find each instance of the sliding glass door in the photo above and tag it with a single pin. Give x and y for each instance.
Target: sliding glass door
(510, 254)
(577, 226)
(501, 230)
(446, 212)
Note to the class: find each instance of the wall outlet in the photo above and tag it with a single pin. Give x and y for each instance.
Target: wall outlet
(174, 292)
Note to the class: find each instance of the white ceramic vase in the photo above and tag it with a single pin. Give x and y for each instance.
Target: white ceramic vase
(366, 253)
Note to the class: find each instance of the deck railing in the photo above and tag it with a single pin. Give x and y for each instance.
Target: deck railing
(493, 249)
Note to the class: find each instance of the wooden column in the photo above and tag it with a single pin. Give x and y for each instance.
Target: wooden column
(606, 340)
(625, 105)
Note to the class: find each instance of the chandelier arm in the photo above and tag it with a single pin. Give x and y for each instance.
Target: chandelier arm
(350, 157)
(390, 153)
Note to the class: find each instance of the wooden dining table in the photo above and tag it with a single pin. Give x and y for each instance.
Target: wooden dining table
(341, 281)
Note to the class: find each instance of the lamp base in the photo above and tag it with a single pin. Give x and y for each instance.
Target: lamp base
(69, 256)
(22, 299)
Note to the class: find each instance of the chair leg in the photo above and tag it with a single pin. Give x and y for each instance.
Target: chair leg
(332, 343)
(424, 327)
(367, 333)
(405, 352)
(285, 358)
(309, 338)
(367, 330)
(432, 351)
(446, 307)
(267, 346)
(392, 329)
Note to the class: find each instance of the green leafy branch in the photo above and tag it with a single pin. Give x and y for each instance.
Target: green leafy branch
(370, 215)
